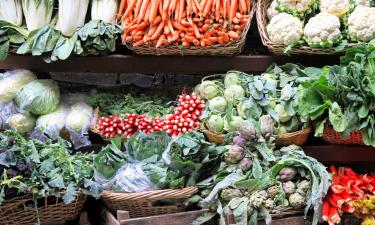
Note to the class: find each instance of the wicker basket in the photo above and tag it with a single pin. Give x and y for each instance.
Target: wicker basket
(230, 49)
(21, 210)
(214, 138)
(261, 15)
(146, 203)
(332, 137)
(295, 138)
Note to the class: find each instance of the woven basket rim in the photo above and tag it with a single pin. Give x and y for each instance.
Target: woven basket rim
(261, 16)
(231, 48)
(155, 192)
(302, 131)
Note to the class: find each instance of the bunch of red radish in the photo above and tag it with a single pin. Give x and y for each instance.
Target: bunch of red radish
(185, 118)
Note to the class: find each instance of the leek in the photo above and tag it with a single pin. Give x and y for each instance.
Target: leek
(104, 10)
(71, 15)
(37, 13)
(11, 11)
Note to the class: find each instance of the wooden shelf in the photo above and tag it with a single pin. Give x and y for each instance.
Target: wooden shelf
(188, 65)
(341, 153)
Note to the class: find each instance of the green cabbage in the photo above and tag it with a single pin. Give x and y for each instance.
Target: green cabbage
(232, 78)
(217, 104)
(12, 82)
(233, 93)
(39, 97)
(22, 123)
(80, 117)
(234, 124)
(53, 120)
(215, 123)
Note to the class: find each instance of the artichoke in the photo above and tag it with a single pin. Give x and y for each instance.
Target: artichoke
(234, 154)
(296, 201)
(245, 164)
(239, 140)
(270, 203)
(266, 126)
(272, 191)
(229, 193)
(205, 193)
(257, 199)
(286, 174)
(289, 187)
(303, 187)
(248, 131)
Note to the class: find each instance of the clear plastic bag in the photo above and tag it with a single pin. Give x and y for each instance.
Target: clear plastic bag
(51, 124)
(131, 178)
(12, 81)
(22, 122)
(78, 121)
(6, 111)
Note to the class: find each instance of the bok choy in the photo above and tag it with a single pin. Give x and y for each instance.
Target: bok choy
(11, 11)
(38, 13)
(71, 15)
(104, 10)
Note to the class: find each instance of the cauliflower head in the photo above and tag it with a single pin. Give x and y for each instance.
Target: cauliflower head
(271, 11)
(362, 3)
(284, 29)
(336, 7)
(322, 30)
(361, 24)
(298, 8)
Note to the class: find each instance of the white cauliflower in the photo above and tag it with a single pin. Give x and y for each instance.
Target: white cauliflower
(298, 8)
(284, 29)
(361, 24)
(336, 7)
(362, 3)
(322, 30)
(271, 11)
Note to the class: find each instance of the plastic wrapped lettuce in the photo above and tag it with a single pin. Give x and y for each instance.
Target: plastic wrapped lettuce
(7, 110)
(78, 121)
(12, 81)
(51, 124)
(22, 122)
(39, 97)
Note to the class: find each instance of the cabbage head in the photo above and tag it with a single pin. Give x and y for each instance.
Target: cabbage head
(80, 117)
(12, 82)
(215, 123)
(232, 78)
(22, 122)
(217, 104)
(39, 97)
(234, 124)
(234, 93)
(53, 120)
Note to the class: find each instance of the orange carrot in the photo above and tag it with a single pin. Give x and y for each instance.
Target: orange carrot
(189, 8)
(138, 42)
(225, 8)
(213, 39)
(207, 42)
(165, 9)
(204, 28)
(154, 10)
(196, 31)
(233, 9)
(152, 30)
(226, 37)
(236, 20)
(143, 10)
(181, 10)
(236, 27)
(189, 38)
(217, 10)
(130, 8)
(147, 15)
(158, 31)
(196, 42)
(157, 20)
(161, 7)
(177, 10)
(178, 26)
(233, 34)
(160, 41)
(170, 26)
(172, 6)
(186, 44)
(196, 3)
(206, 10)
(238, 15)
(185, 23)
(121, 8)
(248, 3)
(138, 8)
(166, 30)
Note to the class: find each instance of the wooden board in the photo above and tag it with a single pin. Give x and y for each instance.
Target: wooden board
(183, 218)
(188, 65)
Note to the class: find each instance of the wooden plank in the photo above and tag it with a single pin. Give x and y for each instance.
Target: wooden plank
(183, 218)
(189, 65)
(110, 219)
(84, 219)
(294, 220)
(341, 153)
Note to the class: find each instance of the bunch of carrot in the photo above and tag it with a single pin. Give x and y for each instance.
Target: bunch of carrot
(183, 22)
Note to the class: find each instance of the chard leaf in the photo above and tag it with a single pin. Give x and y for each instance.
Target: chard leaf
(205, 217)
(239, 208)
(257, 169)
(363, 111)
(92, 188)
(57, 181)
(70, 194)
(254, 218)
(337, 118)
(4, 49)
